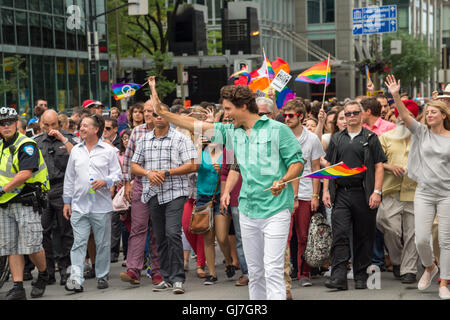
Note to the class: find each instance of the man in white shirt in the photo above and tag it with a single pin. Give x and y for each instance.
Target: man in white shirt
(93, 168)
(306, 200)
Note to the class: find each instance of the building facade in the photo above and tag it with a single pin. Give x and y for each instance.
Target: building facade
(52, 43)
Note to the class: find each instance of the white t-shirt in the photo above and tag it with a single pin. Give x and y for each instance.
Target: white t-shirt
(312, 149)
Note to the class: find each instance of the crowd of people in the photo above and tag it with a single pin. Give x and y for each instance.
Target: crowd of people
(128, 182)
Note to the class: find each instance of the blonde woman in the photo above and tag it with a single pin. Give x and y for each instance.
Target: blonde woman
(429, 165)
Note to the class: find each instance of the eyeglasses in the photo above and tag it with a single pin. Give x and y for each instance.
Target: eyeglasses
(227, 120)
(263, 113)
(354, 113)
(290, 115)
(7, 123)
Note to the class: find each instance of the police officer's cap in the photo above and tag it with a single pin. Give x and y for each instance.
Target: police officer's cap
(8, 114)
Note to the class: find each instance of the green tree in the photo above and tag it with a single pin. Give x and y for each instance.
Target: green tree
(17, 73)
(415, 63)
(163, 86)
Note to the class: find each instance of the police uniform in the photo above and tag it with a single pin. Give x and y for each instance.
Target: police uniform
(20, 227)
(56, 158)
(350, 198)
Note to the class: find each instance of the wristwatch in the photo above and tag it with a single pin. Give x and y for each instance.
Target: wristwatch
(296, 198)
(378, 192)
(65, 141)
(167, 173)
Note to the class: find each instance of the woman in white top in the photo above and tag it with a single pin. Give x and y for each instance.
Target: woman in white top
(429, 165)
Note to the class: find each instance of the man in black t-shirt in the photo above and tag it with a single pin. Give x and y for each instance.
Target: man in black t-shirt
(355, 198)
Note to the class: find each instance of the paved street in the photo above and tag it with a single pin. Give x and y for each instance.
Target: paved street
(225, 290)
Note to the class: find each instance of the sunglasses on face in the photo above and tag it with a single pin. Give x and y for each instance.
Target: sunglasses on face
(108, 128)
(263, 114)
(155, 115)
(354, 113)
(290, 115)
(7, 123)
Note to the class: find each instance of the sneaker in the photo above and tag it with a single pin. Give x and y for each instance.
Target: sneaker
(16, 293)
(178, 288)
(90, 274)
(305, 282)
(39, 285)
(408, 278)
(102, 284)
(162, 286)
(350, 274)
(210, 280)
(243, 281)
(230, 271)
(444, 293)
(427, 277)
(73, 285)
(129, 277)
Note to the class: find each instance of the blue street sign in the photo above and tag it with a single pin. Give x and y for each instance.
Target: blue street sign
(372, 20)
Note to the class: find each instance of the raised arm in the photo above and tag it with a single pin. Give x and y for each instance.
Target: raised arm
(184, 122)
(394, 89)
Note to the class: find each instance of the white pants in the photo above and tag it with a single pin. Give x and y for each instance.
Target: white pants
(264, 242)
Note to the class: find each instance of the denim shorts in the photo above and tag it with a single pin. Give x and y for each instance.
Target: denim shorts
(202, 199)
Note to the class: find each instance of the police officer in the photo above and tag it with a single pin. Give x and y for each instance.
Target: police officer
(356, 198)
(21, 167)
(56, 145)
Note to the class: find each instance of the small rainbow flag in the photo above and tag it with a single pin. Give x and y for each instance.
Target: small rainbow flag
(124, 90)
(367, 72)
(317, 74)
(242, 72)
(270, 71)
(335, 171)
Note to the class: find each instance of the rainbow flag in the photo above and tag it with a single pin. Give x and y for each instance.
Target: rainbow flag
(317, 74)
(335, 171)
(124, 90)
(367, 72)
(270, 71)
(280, 64)
(242, 72)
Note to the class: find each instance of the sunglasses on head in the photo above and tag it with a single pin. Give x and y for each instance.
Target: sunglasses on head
(7, 123)
(354, 113)
(290, 115)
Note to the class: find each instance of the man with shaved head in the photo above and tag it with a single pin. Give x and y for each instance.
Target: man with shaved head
(56, 145)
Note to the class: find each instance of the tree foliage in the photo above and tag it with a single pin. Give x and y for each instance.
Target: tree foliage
(16, 68)
(415, 62)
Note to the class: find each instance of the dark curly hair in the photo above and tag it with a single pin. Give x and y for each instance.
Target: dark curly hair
(240, 95)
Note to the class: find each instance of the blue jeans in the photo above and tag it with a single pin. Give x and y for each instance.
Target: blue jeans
(203, 199)
(81, 226)
(378, 250)
(239, 248)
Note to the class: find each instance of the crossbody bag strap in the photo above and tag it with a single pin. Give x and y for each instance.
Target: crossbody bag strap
(217, 187)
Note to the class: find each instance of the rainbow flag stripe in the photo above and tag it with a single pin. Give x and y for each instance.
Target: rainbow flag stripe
(242, 72)
(270, 71)
(124, 90)
(317, 74)
(336, 171)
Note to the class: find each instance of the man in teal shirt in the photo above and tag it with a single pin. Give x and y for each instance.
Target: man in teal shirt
(268, 155)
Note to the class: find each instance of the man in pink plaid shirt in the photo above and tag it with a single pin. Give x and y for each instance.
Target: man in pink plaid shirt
(140, 218)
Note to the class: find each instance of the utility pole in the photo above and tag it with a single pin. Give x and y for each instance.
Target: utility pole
(117, 41)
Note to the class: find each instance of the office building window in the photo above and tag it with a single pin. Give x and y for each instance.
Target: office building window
(9, 34)
(21, 28)
(320, 11)
(38, 77)
(20, 4)
(62, 83)
(327, 45)
(6, 3)
(50, 81)
(35, 30)
(60, 28)
(47, 30)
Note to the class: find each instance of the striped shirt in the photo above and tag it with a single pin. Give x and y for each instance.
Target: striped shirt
(164, 153)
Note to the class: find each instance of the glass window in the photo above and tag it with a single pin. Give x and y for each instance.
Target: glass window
(34, 5)
(8, 27)
(402, 17)
(24, 87)
(46, 6)
(73, 83)
(50, 81)
(72, 39)
(62, 83)
(6, 3)
(38, 77)
(327, 11)
(327, 45)
(58, 7)
(20, 4)
(102, 39)
(84, 79)
(21, 28)
(35, 30)
(47, 31)
(313, 11)
(82, 37)
(105, 89)
(10, 74)
(60, 28)
(99, 9)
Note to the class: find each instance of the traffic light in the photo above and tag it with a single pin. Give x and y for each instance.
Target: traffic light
(195, 84)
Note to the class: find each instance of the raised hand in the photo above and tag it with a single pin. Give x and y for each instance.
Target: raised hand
(370, 85)
(392, 85)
